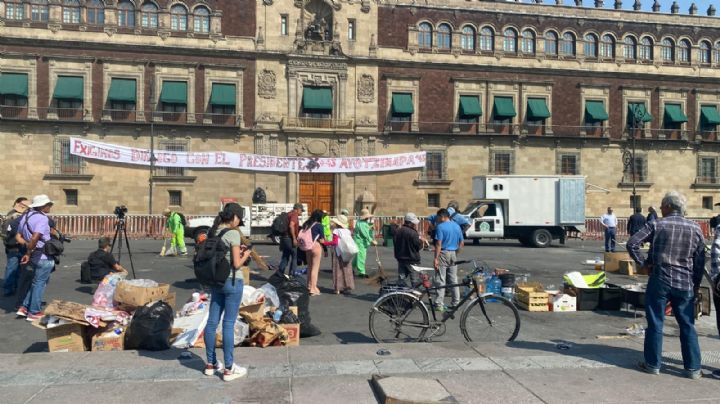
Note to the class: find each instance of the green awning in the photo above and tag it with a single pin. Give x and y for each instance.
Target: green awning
(674, 113)
(222, 94)
(595, 111)
(402, 104)
(174, 92)
(122, 90)
(537, 109)
(470, 106)
(69, 88)
(639, 110)
(709, 115)
(14, 84)
(503, 107)
(317, 98)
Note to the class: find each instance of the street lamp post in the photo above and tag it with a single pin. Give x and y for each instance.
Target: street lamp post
(152, 146)
(629, 156)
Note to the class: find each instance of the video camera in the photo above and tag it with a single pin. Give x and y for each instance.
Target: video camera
(121, 211)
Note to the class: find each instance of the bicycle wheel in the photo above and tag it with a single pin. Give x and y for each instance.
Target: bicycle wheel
(491, 318)
(398, 317)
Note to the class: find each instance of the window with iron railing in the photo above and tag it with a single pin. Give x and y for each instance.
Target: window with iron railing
(64, 162)
(433, 200)
(569, 164)
(502, 163)
(641, 171)
(434, 166)
(173, 146)
(707, 202)
(707, 171)
(175, 198)
(71, 197)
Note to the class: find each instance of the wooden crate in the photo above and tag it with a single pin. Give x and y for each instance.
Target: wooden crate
(531, 297)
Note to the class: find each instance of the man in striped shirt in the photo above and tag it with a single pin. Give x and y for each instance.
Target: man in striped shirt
(676, 262)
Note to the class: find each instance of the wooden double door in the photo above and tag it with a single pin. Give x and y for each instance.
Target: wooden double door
(318, 192)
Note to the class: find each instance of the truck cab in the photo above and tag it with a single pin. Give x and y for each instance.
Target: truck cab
(486, 220)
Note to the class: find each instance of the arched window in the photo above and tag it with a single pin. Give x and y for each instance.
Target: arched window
(444, 36)
(646, 49)
(567, 48)
(201, 18)
(178, 18)
(705, 52)
(510, 41)
(684, 51)
(668, 50)
(71, 11)
(95, 12)
(425, 35)
(528, 42)
(607, 47)
(630, 48)
(551, 43)
(14, 10)
(467, 39)
(591, 46)
(716, 53)
(149, 15)
(487, 39)
(126, 14)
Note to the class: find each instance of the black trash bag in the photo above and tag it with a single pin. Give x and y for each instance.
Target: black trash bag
(150, 328)
(288, 317)
(294, 292)
(259, 196)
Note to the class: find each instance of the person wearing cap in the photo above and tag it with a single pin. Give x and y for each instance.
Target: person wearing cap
(34, 232)
(408, 243)
(363, 236)
(343, 281)
(13, 250)
(453, 208)
(176, 230)
(288, 242)
(351, 222)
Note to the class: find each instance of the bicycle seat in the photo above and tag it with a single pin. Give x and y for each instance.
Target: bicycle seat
(421, 269)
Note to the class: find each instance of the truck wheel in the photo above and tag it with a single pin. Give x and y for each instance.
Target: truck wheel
(541, 238)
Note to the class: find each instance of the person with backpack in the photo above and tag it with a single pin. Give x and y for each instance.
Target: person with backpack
(226, 256)
(287, 225)
(175, 225)
(344, 251)
(13, 250)
(309, 238)
(363, 236)
(453, 208)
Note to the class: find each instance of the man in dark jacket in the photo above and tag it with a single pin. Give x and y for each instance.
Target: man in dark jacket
(635, 222)
(408, 243)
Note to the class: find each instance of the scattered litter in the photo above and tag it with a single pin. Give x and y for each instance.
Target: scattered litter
(635, 330)
(383, 352)
(563, 345)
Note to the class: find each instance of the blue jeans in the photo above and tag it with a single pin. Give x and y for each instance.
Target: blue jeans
(610, 239)
(33, 299)
(656, 298)
(11, 271)
(224, 300)
(289, 255)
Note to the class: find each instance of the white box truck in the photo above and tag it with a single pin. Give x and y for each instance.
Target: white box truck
(533, 209)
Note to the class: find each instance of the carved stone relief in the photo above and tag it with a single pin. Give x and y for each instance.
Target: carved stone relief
(266, 84)
(366, 88)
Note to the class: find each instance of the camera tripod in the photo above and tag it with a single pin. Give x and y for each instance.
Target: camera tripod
(121, 232)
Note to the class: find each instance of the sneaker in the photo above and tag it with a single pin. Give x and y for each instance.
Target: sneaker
(693, 374)
(37, 316)
(647, 369)
(210, 369)
(22, 312)
(716, 374)
(184, 254)
(233, 373)
(440, 308)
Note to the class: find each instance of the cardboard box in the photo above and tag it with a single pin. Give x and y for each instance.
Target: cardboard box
(67, 338)
(107, 340)
(612, 260)
(628, 267)
(563, 302)
(170, 299)
(293, 331)
(294, 310)
(132, 297)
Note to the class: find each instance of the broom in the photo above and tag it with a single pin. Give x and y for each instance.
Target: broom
(162, 250)
(259, 260)
(380, 276)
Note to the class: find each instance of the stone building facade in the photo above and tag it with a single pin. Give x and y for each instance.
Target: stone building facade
(483, 87)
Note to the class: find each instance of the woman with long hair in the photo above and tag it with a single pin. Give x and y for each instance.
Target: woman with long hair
(226, 299)
(314, 255)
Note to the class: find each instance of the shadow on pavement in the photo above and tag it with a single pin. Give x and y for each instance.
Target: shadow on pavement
(188, 284)
(90, 290)
(37, 347)
(183, 357)
(349, 337)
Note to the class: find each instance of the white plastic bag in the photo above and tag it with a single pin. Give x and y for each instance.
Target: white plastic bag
(346, 245)
(242, 330)
(247, 297)
(265, 294)
(105, 292)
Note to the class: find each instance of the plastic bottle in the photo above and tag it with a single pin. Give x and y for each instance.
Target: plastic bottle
(494, 286)
(598, 267)
(277, 315)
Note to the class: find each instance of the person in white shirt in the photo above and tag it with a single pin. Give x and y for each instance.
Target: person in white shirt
(609, 222)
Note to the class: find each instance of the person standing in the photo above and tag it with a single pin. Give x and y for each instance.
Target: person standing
(363, 236)
(226, 299)
(635, 222)
(176, 229)
(676, 263)
(343, 281)
(34, 231)
(351, 222)
(13, 250)
(652, 215)
(609, 222)
(453, 211)
(408, 243)
(288, 241)
(313, 252)
(448, 241)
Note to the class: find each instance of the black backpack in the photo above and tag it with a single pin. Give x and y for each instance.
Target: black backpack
(280, 225)
(211, 265)
(182, 219)
(9, 230)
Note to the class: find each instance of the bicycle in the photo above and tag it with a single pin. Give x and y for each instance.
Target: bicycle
(402, 316)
